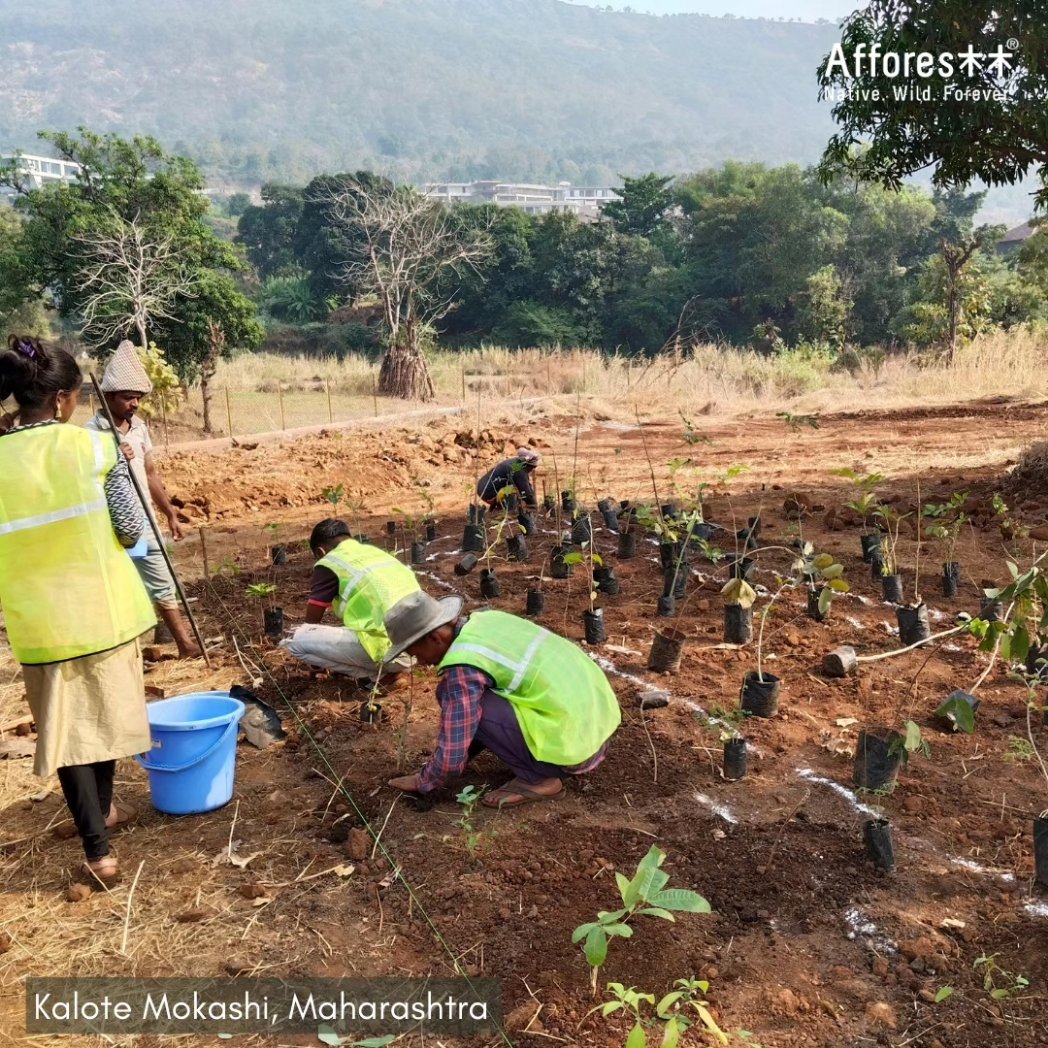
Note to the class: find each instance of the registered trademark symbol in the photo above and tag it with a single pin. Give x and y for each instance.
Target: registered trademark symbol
(1012, 44)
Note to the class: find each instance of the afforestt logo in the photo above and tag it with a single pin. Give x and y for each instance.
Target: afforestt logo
(873, 61)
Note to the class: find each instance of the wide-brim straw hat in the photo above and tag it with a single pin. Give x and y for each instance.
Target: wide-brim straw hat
(415, 616)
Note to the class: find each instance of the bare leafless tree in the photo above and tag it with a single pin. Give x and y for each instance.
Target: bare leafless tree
(411, 254)
(129, 278)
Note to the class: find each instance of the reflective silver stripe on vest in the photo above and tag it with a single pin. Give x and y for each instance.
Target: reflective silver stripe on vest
(519, 668)
(356, 576)
(100, 453)
(53, 517)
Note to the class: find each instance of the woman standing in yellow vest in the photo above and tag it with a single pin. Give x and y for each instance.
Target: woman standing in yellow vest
(534, 699)
(73, 603)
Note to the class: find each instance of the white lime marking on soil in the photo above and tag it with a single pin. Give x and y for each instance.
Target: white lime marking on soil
(848, 795)
(437, 579)
(717, 809)
(1036, 909)
(935, 615)
(609, 667)
(861, 925)
(974, 867)
(860, 598)
(854, 623)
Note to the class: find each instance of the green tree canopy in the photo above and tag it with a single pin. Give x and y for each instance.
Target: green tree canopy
(977, 111)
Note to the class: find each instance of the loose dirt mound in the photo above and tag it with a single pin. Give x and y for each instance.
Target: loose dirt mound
(370, 466)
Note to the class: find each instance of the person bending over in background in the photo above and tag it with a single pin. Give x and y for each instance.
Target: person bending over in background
(534, 699)
(73, 605)
(512, 472)
(124, 385)
(360, 583)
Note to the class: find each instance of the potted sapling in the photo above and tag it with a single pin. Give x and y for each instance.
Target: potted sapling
(429, 521)
(277, 552)
(914, 627)
(824, 579)
(489, 583)
(1025, 614)
(411, 527)
(864, 505)
(891, 580)
(881, 752)
(593, 620)
(947, 519)
(272, 617)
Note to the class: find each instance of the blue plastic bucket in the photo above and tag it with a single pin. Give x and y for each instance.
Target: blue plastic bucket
(192, 764)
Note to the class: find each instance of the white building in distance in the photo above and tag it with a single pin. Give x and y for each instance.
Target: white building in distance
(532, 198)
(38, 171)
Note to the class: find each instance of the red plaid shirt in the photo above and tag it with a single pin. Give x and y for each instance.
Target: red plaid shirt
(459, 693)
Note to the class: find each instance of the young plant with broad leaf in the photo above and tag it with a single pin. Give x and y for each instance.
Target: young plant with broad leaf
(645, 895)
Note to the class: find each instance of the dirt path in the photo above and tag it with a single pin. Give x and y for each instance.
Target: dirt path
(809, 946)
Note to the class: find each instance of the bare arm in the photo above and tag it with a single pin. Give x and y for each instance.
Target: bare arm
(160, 497)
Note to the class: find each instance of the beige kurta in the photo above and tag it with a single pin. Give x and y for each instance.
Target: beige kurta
(88, 709)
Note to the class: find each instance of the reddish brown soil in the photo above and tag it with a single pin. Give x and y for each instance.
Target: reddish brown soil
(808, 944)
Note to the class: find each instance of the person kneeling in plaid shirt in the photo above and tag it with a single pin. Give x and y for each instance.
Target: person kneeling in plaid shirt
(532, 698)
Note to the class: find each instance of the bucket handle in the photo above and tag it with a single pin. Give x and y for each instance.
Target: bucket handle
(149, 765)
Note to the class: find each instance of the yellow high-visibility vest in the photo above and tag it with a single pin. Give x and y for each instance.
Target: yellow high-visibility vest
(564, 704)
(370, 582)
(67, 587)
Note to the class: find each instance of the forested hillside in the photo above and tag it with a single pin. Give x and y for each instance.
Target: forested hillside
(260, 89)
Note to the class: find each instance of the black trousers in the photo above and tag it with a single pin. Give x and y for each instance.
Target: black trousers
(88, 790)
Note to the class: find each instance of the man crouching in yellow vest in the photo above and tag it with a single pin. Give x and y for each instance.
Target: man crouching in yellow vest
(507, 685)
(360, 584)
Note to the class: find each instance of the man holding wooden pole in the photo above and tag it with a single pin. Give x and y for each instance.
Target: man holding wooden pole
(125, 384)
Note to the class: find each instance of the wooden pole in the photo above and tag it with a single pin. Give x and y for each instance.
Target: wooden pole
(374, 394)
(203, 551)
(280, 398)
(163, 411)
(151, 523)
(229, 413)
(327, 389)
(463, 367)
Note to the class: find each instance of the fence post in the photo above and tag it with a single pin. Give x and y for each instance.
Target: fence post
(374, 393)
(280, 398)
(163, 411)
(229, 413)
(462, 365)
(327, 390)
(203, 550)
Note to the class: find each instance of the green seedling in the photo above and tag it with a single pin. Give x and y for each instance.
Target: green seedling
(592, 559)
(261, 591)
(672, 1015)
(910, 742)
(892, 520)
(958, 713)
(691, 434)
(948, 519)
(333, 494)
(326, 1035)
(943, 993)
(645, 894)
(469, 797)
(865, 504)
(997, 982)
(1020, 750)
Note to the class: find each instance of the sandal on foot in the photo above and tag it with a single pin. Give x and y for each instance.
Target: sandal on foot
(120, 815)
(516, 793)
(104, 872)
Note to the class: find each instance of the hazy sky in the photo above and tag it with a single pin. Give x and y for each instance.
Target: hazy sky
(809, 10)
